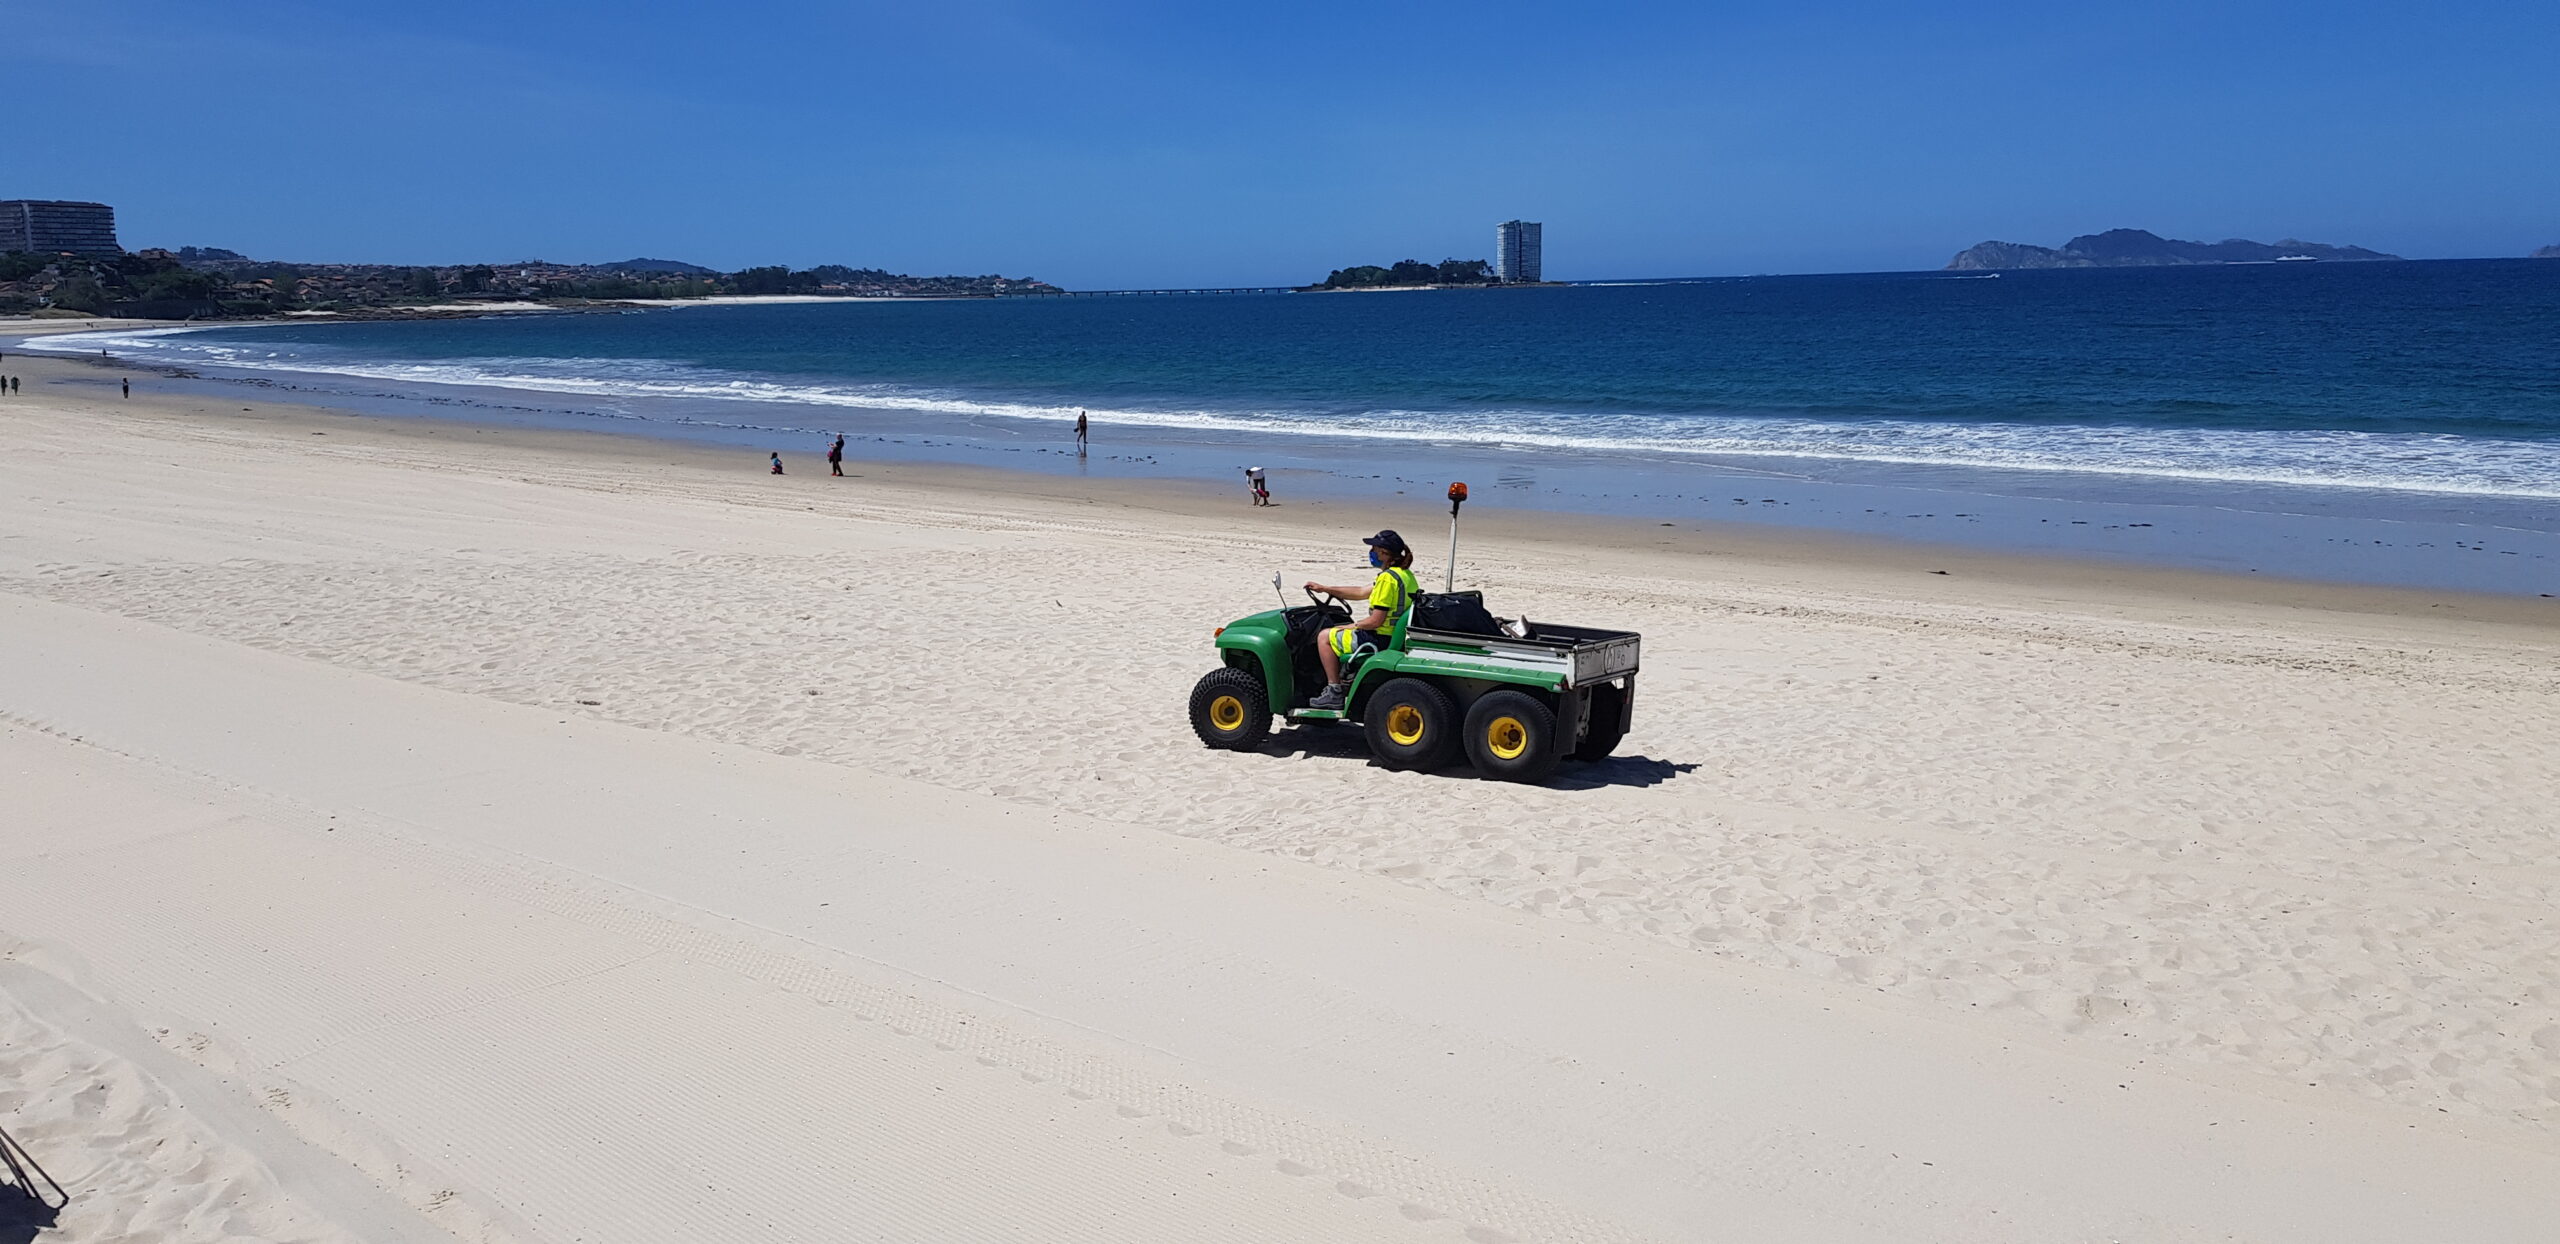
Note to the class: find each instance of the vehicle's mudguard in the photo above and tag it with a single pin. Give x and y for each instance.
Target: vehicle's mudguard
(1268, 652)
(1571, 707)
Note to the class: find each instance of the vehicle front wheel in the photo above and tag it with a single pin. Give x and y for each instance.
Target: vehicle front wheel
(1411, 725)
(1230, 709)
(1511, 736)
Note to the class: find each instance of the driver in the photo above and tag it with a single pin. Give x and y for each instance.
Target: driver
(1388, 595)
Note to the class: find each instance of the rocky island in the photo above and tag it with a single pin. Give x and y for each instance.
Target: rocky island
(2139, 248)
(1409, 274)
(2549, 252)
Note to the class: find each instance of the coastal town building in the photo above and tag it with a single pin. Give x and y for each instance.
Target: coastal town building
(48, 226)
(1519, 252)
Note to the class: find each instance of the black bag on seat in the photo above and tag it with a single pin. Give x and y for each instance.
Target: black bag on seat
(1462, 613)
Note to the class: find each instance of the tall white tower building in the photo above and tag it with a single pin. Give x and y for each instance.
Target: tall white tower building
(1519, 252)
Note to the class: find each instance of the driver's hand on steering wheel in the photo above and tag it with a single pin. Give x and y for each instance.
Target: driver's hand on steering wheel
(1314, 586)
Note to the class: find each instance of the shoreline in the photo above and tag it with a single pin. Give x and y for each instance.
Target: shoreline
(1914, 566)
(26, 325)
(2247, 507)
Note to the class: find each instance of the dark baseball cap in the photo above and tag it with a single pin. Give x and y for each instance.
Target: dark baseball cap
(1387, 540)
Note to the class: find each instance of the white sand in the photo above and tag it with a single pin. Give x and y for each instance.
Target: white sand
(14, 328)
(473, 306)
(881, 892)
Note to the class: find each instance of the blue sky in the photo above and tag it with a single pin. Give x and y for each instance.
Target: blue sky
(1108, 145)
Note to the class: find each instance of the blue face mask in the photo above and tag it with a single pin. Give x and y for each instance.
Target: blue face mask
(1376, 558)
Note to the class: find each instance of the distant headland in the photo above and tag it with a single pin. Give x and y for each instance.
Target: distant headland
(62, 258)
(2138, 248)
(2549, 252)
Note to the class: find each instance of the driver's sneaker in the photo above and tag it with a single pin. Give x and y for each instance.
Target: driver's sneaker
(1330, 697)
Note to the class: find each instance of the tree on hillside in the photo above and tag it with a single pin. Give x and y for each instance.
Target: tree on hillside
(1356, 277)
(177, 285)
(82, 293)
(775, 279)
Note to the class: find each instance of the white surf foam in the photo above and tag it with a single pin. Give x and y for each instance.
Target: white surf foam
(2385, 461)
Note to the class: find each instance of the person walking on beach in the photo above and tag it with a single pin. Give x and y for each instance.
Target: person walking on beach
(128, 387)
(777, 463)
(835, 456)
(1081, 429)
(1261, 490)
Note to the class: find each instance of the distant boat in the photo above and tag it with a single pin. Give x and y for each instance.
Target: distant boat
(2297, 259)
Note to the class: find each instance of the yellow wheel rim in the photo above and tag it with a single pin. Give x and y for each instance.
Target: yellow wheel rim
(1226, 713)
(1404, 724)
(1506, 737)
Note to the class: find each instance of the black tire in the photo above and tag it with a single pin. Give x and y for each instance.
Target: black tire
(1411, 725)
(1230, 709)
(1512, 736)
(1606, 710)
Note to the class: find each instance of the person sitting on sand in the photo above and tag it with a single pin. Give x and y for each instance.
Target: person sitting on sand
(1388, 595)
(777, 463)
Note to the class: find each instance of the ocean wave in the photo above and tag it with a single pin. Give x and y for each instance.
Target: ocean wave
(2384, 461)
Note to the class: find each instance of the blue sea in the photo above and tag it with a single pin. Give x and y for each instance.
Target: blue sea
(2287, 419)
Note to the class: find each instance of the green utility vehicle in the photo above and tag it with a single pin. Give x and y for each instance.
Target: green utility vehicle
(1516, 696)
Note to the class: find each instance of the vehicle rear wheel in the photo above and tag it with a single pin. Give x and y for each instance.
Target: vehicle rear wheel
(1411, 725)
(1511, 736)
(1606, 710)
(1230, 709)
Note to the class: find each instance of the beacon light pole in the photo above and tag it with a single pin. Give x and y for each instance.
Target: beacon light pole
(1457, 497)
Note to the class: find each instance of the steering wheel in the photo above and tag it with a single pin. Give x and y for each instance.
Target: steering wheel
(1323, 598)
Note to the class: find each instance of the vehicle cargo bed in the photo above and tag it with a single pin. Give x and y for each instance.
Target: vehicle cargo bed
(1585, 654)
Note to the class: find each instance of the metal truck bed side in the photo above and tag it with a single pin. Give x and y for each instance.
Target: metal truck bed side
(1573, 656)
